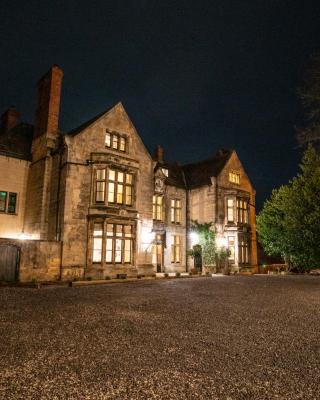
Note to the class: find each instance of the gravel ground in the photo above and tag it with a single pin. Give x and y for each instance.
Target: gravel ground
(220, 338)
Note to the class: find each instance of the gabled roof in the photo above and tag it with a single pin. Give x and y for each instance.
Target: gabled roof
(17, 142)
(84, 125)
(175, 176)
(199, 174)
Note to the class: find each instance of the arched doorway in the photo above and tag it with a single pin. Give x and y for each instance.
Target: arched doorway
(9, 262)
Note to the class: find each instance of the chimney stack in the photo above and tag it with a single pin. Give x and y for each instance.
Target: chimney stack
(159, 153)
(9, 119)
(48, 107)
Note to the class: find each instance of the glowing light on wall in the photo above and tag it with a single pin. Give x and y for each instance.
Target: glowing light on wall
(147, 238)
(221, 241)
(194, 238)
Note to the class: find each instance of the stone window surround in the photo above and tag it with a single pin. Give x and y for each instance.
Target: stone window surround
(104, 221)
(119, 136)
(175, 211)
(119, 168)
(7, 201)
(235, 196)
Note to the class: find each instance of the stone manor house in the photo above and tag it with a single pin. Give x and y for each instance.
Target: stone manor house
(93, 202)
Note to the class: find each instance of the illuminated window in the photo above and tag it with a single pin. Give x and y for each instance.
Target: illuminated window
(230, 210)
(100, 185)
(97, 242)
(165, 171)
(157, 208)
(234, 178)
(242, 211)
(120, 187)
(8, 202)
(175, 249)
(118, 240)
(116, 141)
(119, 244)
(176, 211)
(243, 249)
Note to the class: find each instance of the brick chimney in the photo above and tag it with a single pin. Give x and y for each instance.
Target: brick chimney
(159, 153)
(9, 119)
(48, 107)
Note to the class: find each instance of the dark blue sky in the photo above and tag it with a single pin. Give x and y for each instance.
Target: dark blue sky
(193, 75)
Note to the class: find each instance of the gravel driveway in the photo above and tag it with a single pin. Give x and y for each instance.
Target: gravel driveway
(220, 338)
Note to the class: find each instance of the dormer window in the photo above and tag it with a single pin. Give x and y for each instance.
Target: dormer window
(234, 177)
(115, 141)
(165, 172)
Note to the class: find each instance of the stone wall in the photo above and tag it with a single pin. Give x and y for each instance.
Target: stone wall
(39, 259)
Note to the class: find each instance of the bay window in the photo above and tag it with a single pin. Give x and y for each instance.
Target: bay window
(242, 211)
(114, 242)
(119, 185)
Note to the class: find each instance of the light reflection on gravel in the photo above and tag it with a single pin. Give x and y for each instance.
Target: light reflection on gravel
(228, 338)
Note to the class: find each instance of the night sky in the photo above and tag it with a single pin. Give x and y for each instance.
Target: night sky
(194, 76)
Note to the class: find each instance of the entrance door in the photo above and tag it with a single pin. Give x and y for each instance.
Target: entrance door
(159, 252)
(9, 262)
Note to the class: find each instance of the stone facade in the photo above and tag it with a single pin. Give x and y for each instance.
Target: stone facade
(93, 203)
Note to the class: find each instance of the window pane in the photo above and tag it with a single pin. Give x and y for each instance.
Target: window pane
(108, 139)
(100, 191)
(101, 174)
(122, 144)
(98, 229)
(172, 215)
(129, 179)
(120, 177)
(112, 175)
(120, 194)
(109, 242)
(129, 195)
(110, 229)
(119, 230)
(118, 251)
(127, 251)
(172, 203)
(178, 216)
(97, 249)
(128, 230)
(230, 202)
(115, 142)
(12, 203)
(3, 201)
(111, 192)
(159, 200)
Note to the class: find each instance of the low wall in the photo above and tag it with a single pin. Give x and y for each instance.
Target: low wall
(39, 259)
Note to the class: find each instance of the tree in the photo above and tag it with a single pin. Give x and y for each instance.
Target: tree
(309, 94)
(206, 240)
(289, 223)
